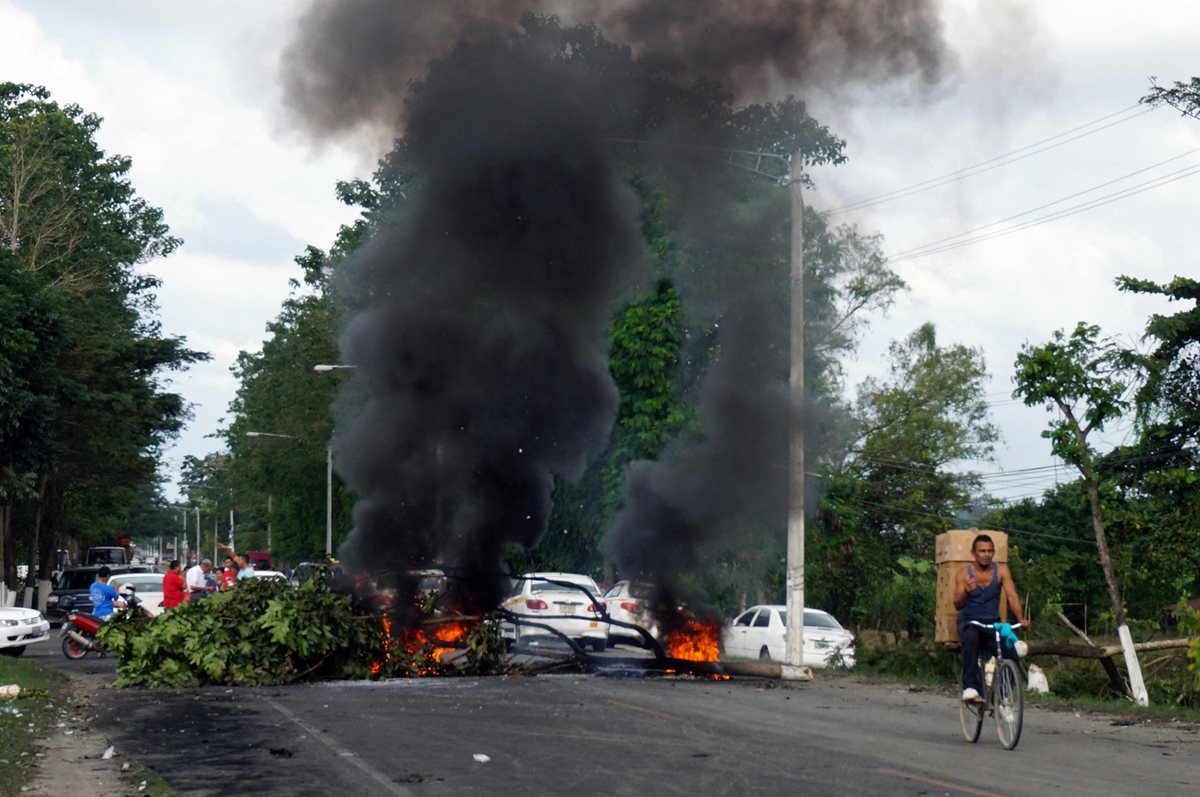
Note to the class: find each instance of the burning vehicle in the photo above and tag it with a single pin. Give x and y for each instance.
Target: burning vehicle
(548, 605)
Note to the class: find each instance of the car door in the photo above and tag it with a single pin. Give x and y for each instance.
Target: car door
(757, 634)
(735, 639)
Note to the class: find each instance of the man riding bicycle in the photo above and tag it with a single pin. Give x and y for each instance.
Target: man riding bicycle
(977, 597)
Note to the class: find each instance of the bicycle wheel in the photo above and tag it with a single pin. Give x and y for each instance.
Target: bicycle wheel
(1009, 703)
(970, 715)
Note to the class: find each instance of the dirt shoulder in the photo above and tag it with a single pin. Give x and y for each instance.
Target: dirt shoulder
(71, 757)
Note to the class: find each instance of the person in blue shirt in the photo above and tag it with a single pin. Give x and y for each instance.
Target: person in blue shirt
(240, 562)
(104, 597)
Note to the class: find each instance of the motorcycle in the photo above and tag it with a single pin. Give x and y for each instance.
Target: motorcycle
(79, 630)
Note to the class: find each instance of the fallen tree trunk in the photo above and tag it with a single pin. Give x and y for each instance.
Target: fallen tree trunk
(1051, 647)
(1110, 667)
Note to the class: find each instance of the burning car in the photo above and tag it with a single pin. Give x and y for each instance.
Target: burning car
(627, 602)
(761, 632)
(544, 605)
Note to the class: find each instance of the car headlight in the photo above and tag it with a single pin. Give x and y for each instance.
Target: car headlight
(51, 599)
(8, 623)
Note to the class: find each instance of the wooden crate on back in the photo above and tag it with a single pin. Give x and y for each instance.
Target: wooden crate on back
(952, 553)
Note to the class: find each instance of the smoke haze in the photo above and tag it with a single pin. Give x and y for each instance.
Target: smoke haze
(482, 348)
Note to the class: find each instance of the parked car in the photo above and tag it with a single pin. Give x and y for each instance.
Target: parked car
(20, 627)
(149, 588)
(760, 632)
(271, 574)
(625, 601)
(562, 606)
(71, 591)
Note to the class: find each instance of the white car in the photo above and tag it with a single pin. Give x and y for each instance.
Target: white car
(560, 606)
(274, 575)
(149, 587)
(20, 627)
(760, 633)
(627, 602)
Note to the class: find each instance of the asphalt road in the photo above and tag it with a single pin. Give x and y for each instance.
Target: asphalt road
(607, 735)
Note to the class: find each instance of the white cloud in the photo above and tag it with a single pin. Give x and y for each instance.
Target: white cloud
(188, 90)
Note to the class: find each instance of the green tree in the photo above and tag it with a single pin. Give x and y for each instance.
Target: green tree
(86, 409)
(894, 486)
(1082, 379)
(1183, 97)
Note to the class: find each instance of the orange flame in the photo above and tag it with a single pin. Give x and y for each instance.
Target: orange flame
(448, 633)
(423, 649)
(377, 667)
(697, 640)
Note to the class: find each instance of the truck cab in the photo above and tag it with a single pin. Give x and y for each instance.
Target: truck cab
(107, 555)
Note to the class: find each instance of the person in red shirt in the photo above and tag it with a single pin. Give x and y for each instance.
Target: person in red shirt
(228, 576)
(173, 586)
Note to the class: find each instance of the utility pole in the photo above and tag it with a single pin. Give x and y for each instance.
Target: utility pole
(794, 648)
(329, 500)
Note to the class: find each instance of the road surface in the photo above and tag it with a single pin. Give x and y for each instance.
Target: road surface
(603, 735)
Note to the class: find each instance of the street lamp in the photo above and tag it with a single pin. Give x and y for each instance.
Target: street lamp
(328, 481)
(325, 368)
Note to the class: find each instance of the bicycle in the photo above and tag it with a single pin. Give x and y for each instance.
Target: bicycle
(1003, 699)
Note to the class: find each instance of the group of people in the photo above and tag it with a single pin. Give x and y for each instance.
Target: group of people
(198, 582)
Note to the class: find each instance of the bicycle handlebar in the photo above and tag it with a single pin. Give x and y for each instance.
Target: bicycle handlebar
(1013, 626)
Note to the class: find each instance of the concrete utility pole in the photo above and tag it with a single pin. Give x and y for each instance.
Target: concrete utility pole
(329, 500)
(794, 649)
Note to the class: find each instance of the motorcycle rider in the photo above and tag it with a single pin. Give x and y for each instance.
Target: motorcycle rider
(104, 598)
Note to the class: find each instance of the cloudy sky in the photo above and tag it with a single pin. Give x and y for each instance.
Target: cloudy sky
(190, 92)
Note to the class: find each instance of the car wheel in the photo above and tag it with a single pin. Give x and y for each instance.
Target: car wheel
(599, 645)
(764, 654)
(17, 651)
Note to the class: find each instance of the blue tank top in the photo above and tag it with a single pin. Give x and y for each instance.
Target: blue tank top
(983, 604)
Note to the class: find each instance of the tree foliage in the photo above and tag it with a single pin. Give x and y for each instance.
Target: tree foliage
(1183, 97)
(893, 484)
(84, 407)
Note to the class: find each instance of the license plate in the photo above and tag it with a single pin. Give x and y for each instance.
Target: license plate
(566, 608)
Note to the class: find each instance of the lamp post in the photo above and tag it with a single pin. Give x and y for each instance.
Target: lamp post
(328, 483)
(322, 368)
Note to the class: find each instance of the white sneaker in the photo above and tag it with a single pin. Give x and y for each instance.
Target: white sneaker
(969, 695)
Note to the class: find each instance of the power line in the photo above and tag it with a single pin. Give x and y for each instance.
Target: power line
(988, 165)
(971, 235)
(1026, 532)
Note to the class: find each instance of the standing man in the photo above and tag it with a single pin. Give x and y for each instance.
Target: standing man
(174, 588)
(977, 597)
(104, 597)
(197, 580)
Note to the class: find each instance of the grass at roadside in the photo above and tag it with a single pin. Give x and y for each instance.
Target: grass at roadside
(31, 717)
(25, 719)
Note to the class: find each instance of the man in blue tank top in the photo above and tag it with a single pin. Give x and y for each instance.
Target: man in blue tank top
(977, 597)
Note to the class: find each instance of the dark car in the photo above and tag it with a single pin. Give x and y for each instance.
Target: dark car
(71, 591)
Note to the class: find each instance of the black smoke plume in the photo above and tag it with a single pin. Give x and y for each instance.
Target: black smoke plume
(481, 349)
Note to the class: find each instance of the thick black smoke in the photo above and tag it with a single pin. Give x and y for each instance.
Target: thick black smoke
(353, 60)
(482, 351)
(482, 348)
